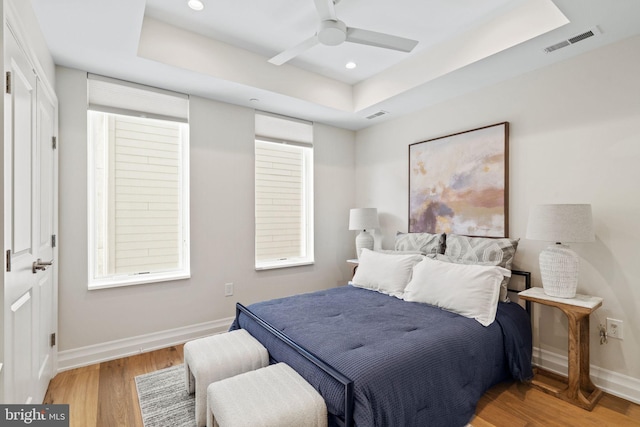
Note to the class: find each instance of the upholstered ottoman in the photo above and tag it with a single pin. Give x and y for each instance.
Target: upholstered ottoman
(275, 396)
(218, 357)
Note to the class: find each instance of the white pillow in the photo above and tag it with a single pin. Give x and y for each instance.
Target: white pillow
(385, 273)
(469, 290)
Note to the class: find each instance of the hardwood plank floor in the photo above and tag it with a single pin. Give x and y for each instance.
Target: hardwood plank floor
(104, 395)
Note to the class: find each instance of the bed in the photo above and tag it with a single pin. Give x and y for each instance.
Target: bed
(379, 360)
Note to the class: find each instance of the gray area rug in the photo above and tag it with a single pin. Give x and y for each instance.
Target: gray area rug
(163, 399)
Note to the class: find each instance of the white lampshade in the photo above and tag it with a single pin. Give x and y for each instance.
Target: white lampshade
(559, 265)
(363, 219)
(561, 223)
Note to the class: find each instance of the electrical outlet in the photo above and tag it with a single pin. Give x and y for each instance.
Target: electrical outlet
(614, 328)
(228, 289)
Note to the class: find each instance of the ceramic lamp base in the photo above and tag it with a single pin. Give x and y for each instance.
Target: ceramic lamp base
(559, 270)
(363, 240)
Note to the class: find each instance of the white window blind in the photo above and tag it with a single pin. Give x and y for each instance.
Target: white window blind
(277, 128)
(120, 97)
(283, 192)
(138, 201)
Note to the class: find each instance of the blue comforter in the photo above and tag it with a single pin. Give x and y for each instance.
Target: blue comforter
(412, 364)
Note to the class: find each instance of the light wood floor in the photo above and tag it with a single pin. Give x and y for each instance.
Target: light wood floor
(104, 395)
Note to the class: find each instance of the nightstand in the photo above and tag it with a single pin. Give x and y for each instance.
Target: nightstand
(579, 389)
(353, 262)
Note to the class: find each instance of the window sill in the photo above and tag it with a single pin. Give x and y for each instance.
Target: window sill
(283, 264)
(139, 279)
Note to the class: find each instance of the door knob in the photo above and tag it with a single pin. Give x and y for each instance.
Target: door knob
(40, 265)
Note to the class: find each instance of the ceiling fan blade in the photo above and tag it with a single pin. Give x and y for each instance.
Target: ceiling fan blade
(387, 41)
(326, 9)
(291, 53)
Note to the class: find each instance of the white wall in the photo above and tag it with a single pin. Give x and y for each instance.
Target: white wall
(222, 231)
(574, 138)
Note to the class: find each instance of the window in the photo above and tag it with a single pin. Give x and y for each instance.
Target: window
(138, 190)
(283, 192)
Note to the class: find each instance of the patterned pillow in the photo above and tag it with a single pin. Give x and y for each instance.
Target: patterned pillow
(426, 243)
(394, 252)
(482, 251)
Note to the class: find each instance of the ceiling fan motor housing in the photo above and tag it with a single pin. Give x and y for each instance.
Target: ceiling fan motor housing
(332, 33)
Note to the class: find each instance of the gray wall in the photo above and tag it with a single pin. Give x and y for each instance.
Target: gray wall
(222, 230)
(574, 138)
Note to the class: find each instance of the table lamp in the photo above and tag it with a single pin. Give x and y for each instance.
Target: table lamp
(363, 219)
(558, 263)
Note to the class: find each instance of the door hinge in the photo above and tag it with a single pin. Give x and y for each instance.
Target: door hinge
(8, 260)
(53, 240)
(54, 142)
(8, 82)
(53, 339)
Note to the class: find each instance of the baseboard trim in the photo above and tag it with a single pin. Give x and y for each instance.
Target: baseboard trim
(97, 353)
(611, 382)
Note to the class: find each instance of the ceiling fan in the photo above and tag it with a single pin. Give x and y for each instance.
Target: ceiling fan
(333, 32)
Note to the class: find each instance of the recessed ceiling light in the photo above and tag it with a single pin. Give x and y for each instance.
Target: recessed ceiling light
(350, 65)
(196, 5)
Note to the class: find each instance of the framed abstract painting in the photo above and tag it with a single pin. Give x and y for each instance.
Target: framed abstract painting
(459, 183)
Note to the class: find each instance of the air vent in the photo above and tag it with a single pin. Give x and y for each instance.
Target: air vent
(557, 46)
(378, 114)
(581, 37)
(575, 39)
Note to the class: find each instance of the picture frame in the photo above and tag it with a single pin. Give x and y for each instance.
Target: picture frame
(459, 183)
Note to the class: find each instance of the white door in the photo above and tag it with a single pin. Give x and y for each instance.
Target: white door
(30, 191)
(45, 223)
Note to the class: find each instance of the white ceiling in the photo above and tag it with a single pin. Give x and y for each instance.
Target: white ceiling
(269, 27)
(222, 52)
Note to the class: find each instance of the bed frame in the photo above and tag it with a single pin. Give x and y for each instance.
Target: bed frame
(527, 285)
(330, 370)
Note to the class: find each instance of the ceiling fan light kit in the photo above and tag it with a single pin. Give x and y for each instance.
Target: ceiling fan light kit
(333, 32)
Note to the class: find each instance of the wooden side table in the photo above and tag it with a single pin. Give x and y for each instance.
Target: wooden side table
(579, 389)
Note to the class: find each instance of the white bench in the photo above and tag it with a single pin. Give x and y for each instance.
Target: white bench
(275, 396)
(218, 357)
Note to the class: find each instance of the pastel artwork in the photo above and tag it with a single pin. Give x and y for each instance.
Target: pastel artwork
(457, 184)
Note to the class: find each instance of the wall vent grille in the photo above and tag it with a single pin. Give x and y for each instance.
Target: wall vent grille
(581, 37)
(572, 40)
(557, 46)
(378, 114)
